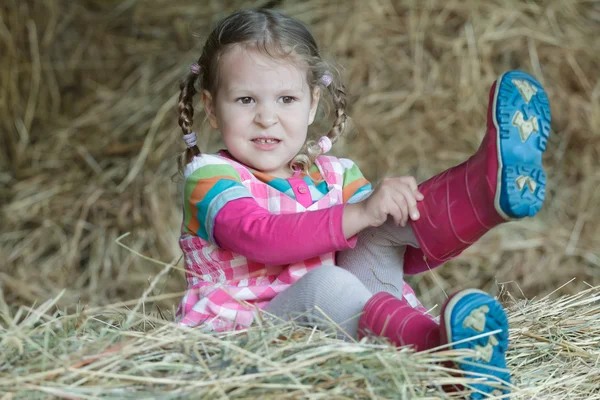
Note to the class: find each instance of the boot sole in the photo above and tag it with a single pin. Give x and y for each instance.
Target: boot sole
(472, 313)
(521, 116)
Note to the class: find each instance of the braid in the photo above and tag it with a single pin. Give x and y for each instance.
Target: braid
(311, 151)
(186, 116)
(338, 91)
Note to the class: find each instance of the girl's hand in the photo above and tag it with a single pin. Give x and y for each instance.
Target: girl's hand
(396, 197)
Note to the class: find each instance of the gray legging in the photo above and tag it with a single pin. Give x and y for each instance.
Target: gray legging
(338, 294)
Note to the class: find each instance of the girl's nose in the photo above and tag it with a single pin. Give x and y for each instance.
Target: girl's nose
(266, 116)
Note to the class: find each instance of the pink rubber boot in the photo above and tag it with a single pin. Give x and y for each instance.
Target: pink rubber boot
(503, 180)
(470, 319)
(395, 319)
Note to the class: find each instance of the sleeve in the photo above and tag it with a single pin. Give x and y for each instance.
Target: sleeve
(355, 187)
(209, 185)
(246, 228)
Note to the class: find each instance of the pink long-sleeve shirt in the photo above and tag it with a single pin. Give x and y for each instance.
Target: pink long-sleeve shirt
(244, 227)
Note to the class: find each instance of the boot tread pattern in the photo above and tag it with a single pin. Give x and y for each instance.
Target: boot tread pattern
(523, 120)
(475, 314)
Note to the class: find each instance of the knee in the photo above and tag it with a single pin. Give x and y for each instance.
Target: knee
(331, 275)
(336, 284)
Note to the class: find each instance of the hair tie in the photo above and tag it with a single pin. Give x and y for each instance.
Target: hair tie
(326, 79)
(190, 139)
(195, 68)
(325, 144)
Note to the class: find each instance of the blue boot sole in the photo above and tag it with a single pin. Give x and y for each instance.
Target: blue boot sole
(521, 115)
(472, 313)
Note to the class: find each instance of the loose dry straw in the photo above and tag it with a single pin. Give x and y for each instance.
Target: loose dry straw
(552, 355)
(89, 150)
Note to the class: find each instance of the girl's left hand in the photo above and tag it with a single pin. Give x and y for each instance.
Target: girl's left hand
(408, 196)
(395, 197)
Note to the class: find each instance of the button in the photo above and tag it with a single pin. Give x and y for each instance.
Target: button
(302, 189)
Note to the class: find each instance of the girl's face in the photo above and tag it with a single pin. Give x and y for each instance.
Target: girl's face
(263, 108)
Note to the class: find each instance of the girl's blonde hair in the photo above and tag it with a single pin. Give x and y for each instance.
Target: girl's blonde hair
(277, 36)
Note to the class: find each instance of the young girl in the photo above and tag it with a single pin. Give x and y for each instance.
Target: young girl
(265, 218)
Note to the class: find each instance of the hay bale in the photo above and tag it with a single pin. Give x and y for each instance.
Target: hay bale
(117, 352)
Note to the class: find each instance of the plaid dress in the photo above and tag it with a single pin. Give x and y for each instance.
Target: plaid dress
(225, 289)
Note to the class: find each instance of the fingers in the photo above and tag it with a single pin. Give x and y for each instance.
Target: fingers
(392, 203)
(412, 195)
(396, 197)
(396, 212)
(412, 183)
(397, 202)
(402, 205)
(412, 209)
(406, 199)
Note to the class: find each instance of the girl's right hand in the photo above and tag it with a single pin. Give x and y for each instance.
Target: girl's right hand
(396, 197)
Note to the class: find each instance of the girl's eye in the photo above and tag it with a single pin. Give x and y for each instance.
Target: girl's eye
(288, 99)
(245, 100)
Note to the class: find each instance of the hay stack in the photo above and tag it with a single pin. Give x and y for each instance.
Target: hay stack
(89, 133)
(117, 352)
(89, 140)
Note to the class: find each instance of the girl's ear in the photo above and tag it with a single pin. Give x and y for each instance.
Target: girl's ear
(316, 96)
(209, 108)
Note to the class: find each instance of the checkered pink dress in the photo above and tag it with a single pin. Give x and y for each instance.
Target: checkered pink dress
(225, 289)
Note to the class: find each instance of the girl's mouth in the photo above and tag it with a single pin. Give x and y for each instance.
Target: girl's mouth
(266, 141)
(266, 144)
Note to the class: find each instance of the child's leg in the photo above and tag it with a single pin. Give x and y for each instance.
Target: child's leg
(395, 319)
(503, 180)
(337, 293)
(342, 297)
(378, 257)
(465, 315)
(346, 301)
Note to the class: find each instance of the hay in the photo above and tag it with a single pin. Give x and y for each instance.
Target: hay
(90, 134)
(89, 137)
(116, 352)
